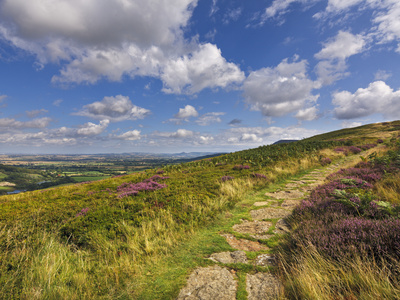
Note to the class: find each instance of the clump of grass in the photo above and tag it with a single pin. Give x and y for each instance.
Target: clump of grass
(389, 189)
(310, 275)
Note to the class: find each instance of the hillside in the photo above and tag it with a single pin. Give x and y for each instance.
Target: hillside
(138, 236)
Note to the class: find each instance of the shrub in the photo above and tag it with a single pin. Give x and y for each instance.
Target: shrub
(354, 149)
(257, 175)
(325, 161)
(241, 167)
(226, 178)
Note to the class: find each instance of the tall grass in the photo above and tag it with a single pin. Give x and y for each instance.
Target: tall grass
(308, 274)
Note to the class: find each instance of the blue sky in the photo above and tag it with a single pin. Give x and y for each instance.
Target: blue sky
(111, 76)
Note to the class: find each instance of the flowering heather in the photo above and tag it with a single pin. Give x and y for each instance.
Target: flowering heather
(226, 178)
(367, 146)
(379, 141)
(132, 189)
(370, 175)
(83, 212)
(343, 150)
(160, 172)
(258, 175)
(241, 167)
(325, 161)
(342, 237)
(354, 149)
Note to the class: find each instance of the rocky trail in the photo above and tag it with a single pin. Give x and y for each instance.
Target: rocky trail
(267, 219)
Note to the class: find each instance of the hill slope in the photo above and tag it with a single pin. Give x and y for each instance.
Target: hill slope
(98, 238)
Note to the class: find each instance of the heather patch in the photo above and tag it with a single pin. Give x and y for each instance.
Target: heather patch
(344, 217)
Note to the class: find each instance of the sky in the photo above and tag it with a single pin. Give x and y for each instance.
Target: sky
(169, 76)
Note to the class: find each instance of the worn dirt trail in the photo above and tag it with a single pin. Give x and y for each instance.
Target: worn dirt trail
(220, 281)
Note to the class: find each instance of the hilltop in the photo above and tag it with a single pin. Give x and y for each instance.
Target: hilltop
(118, 237)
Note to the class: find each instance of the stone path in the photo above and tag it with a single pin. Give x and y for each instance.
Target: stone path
(219, 282)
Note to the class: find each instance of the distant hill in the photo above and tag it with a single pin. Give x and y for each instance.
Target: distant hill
(284, 142)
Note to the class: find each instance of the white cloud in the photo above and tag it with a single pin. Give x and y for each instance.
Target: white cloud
(132, 135)
(115, 109)
(347, 124)
(57, 102)
(179, 134)
(281, 90)
(344, 45)
(209, 118)
(2, 97)
(334, 54)
(11, 124)
(89, 128)
(307, 114)
(378, 97)
(382, 75)
(186, 112)
(204, 68)
(250, 137)
(139, 38)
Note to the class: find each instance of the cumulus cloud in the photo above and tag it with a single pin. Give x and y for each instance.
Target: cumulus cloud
(132, 135)
(205, 67)
(378, 97)
(186, 112)
(179, 134)
(307, 114)
(334, 54)
(93, 129)
(209, 118)
(115, 109)
(347, 124)
(281, 90)
(139, 38)
(10, 124)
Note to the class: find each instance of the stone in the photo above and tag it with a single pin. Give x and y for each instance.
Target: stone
(290, 194)
(230, 257)
(210, 283)
(242, 244)
(261, 203)
(265, 260)
(281, 227)
(262, 286)
(254, 227)
(269, 213)
(290, 204)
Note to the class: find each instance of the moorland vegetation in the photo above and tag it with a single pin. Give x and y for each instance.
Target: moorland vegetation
(137, 236)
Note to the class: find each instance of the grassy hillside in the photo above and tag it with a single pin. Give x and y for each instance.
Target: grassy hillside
(104, 239)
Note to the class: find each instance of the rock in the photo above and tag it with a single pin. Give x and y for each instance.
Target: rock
(261, 203)
(269, 213)
(262, 237)
(281, 227)
(230, 257)
(290, 194)
(244, 245)
(290, 204)
(265, 260)
(262, 286)
(255, 227)
(209, 284)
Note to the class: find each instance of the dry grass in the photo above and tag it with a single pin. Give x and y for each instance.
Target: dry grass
(389, 189)
(312, 276)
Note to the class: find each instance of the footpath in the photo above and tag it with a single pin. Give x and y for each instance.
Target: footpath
(267, 218)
